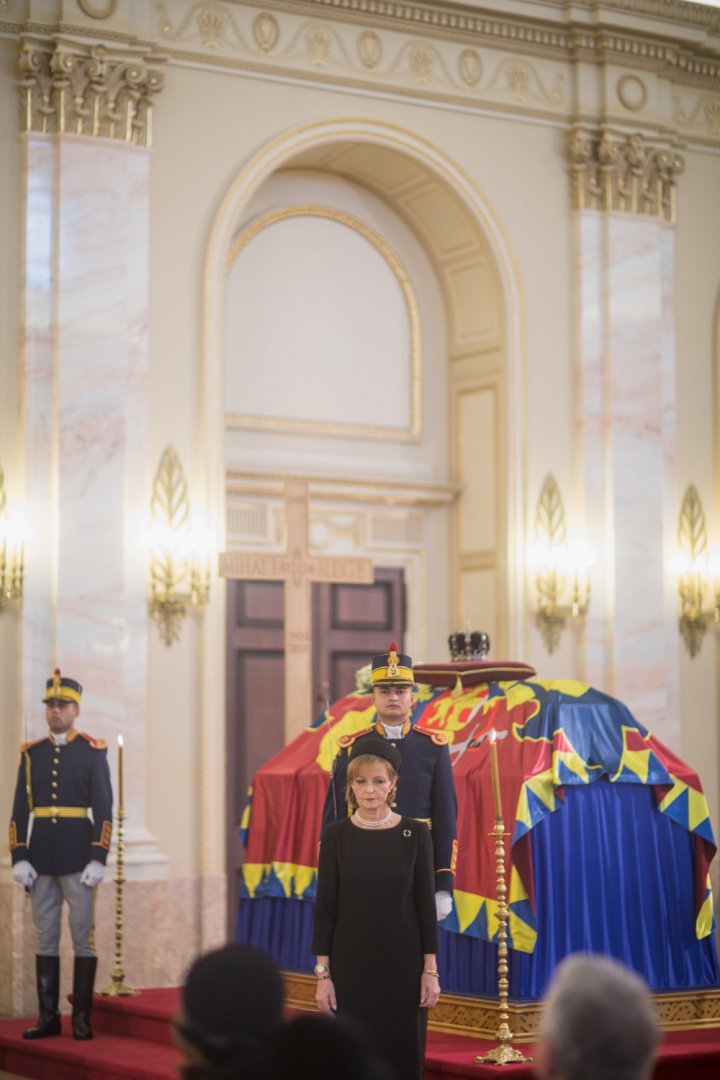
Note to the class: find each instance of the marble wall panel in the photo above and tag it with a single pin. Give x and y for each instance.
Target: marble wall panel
(590, 334)
(38, 416)
(627, 434)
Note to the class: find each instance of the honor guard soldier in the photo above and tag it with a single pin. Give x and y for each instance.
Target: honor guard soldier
(426, 789)
(63, 785)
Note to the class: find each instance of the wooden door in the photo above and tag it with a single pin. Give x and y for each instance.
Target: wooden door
(350, 624)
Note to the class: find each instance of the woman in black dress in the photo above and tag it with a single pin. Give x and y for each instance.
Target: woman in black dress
(375, 933)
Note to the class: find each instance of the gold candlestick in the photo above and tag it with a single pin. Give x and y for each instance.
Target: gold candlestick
(117, 987)
(503, 1053)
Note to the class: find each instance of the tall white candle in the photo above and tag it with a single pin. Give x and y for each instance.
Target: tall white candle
(495, 775)
(120, 771)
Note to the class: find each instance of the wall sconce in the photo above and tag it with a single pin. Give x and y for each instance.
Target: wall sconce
(561, 567)
(12, 561)
(697, 573)
(179, 564)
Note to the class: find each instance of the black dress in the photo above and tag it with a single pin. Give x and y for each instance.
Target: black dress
(375, 918)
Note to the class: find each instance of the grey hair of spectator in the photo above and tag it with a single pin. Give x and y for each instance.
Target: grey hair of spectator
(599, 1023)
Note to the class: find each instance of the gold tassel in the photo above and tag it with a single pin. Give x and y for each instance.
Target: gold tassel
(457, 688)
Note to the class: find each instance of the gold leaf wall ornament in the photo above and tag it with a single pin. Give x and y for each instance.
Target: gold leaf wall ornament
(212, 23)
(558, 573)
(169, 503)
(318, 43)
(518, 78)
(470, 67)
(178, 575)
(711, 109)
(692, 532)
(693, 579)
(369, 49)
(421, 62)
(550, 514)
(266, 32)
(12, 560)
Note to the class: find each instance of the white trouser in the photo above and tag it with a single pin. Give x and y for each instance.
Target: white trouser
(47, 897)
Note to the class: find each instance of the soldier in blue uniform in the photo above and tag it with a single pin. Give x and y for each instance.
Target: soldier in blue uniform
(64, 785)
(426, 789)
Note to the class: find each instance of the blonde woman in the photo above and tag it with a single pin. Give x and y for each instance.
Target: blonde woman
(375, 934)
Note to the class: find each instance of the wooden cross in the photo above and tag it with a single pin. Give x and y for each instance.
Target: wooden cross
(297, 568)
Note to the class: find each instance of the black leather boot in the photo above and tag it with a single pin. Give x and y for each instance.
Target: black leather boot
(83, 986)
(47, 973)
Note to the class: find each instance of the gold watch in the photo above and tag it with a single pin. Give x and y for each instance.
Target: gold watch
(322, 971)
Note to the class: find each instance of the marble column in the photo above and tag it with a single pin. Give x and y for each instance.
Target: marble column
(85, 421)
(624, 201)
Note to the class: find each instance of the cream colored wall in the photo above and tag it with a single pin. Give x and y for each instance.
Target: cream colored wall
(698, 368)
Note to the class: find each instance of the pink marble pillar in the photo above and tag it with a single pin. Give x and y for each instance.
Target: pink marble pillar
(627, 436)
(85, 425)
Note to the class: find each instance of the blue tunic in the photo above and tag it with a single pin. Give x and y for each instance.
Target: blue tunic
(70, 776)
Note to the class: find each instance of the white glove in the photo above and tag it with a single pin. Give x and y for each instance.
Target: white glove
(93, 874)
(443, 905)
(25, 873)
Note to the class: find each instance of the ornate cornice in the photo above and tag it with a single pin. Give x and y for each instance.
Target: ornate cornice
(622, 172)
(516, 58)
(87, 89)
(461, 18)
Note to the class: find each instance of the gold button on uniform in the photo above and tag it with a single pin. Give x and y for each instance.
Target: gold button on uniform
(54, 783)
(53, 796)
(54, 772)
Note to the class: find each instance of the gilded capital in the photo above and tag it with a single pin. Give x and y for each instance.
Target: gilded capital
(630, 173)
(82, 89)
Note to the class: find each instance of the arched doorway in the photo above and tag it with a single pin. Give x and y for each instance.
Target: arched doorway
(444, 213)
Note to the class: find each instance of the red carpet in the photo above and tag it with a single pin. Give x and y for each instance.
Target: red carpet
(133, 1042)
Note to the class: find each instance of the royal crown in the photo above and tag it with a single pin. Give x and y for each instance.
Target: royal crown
(469, 645)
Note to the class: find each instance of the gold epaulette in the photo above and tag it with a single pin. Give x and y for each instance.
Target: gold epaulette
(347, 740)
(97, 744)
(29, 745)
(438, 737)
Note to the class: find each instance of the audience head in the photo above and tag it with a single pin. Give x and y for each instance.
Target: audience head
(324, 1048)
(231, 1002)
(598, 1023)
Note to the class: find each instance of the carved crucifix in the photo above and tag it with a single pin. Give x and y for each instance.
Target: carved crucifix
(297, 568)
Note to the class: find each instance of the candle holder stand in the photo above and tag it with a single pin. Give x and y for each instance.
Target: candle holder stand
(117, 987)
(503, 1053)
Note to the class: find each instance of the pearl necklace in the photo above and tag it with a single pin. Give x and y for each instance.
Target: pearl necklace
(373, 824)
